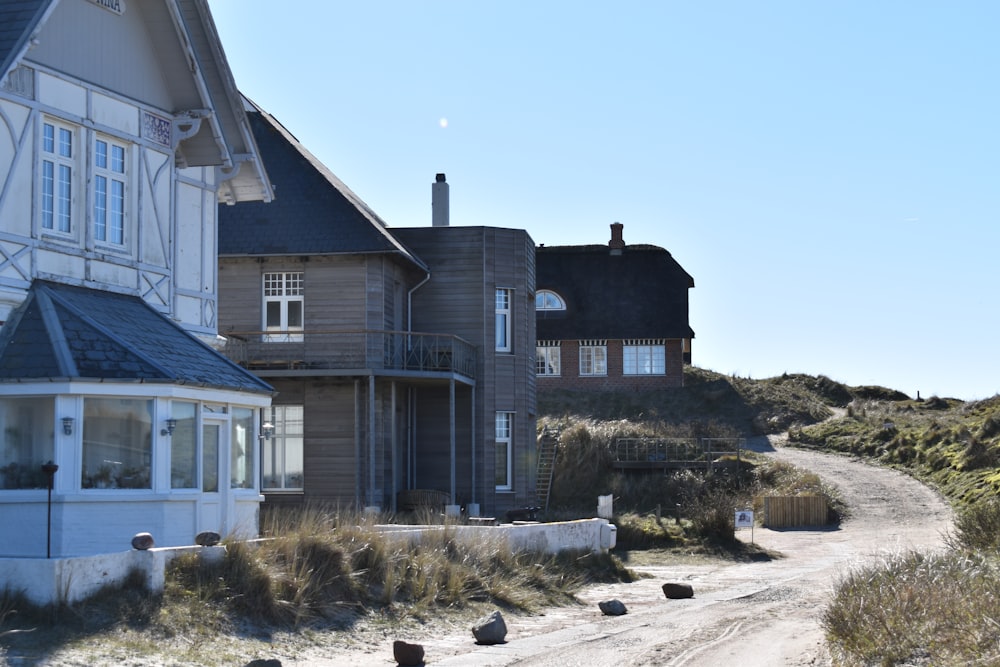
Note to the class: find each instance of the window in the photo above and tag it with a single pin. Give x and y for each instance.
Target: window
(241, 454)
(183, 447)
(644, 357)
(503, 320)
(548, 300)
(282, 464)
(117, 443)
(26, 425)
(109, 192)
(58, 164)
(548, 358)
(504, 450)
(593, 357)
(283, 306)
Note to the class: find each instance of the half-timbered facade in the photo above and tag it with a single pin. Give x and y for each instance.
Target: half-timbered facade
(120, 132)
(381, 343)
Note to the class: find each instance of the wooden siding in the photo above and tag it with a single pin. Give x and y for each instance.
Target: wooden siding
(795, 511)
(467, 264)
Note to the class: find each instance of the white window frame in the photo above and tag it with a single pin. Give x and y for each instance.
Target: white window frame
(593, 358)
(504, 438)
(288, 430)
(548, 358)
(548, 300)
(644, 357)
(283, 288)
(57, 178)
(110, 193)
(503, 299)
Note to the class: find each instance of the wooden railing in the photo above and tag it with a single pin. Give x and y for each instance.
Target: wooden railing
(340, 350)
(674, 452)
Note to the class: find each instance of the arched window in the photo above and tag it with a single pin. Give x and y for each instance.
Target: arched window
(548, 300)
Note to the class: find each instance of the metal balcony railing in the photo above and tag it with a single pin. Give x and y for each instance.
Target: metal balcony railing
(351, 350)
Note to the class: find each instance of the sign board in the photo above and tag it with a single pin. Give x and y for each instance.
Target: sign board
(744, 518)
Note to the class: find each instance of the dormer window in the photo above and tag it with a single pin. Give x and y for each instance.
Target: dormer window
(548, 300)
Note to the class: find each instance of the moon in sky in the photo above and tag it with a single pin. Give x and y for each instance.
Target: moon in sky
(443, 123)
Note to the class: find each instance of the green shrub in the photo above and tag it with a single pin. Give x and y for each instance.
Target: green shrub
(911, 608)
(977, 526)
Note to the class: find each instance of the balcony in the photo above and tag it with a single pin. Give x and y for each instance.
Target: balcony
(382, 352)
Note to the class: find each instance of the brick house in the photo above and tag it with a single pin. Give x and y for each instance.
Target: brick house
(611, 318)
(121, 132)
(402, 358)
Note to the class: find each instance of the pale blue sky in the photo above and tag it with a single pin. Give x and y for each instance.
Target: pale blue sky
(828, 172)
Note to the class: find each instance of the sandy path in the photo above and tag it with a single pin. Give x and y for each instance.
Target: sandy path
(751, 614)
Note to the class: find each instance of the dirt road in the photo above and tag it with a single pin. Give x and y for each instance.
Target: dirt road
(751, 614)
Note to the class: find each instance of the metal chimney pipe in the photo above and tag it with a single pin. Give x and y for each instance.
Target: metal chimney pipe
(439, 202)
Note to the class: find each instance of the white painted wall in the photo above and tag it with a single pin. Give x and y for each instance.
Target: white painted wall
(595, 535)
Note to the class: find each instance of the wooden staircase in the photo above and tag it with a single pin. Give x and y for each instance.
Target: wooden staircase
(546, 451)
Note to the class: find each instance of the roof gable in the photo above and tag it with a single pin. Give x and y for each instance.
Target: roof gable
(161, 53)
(313, 213)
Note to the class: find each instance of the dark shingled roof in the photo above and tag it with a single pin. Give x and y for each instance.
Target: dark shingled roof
(313, 211)
(18, 18)
(641, 293)
(62, 331)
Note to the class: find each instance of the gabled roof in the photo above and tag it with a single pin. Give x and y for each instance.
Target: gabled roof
(62, 331)
(196, 76)
(313, 213)
(641, 292)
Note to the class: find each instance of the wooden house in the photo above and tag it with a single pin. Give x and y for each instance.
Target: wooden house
(393, 390)
(611, 318)
(120, 132)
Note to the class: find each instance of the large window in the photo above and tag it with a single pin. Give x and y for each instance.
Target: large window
(548, 358)
(548, 300)
(26, 426)
(283, 306)
(644, 357)
(58, 163)
(503, 320)
(117, 443)
(593, 357)
(109, 192)
(282, 463)
(184, 447)
(241, 456)
(504, 450)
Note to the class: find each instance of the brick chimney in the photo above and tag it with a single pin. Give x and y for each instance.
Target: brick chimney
(616, 243)
(439, 202)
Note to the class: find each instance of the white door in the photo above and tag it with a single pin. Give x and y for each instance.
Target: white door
(212, 506)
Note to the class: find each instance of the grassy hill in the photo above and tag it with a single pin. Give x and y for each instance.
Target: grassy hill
(950, 444)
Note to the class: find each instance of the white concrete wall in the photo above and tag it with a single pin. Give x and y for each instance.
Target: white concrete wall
(68, 580)
(595, 535)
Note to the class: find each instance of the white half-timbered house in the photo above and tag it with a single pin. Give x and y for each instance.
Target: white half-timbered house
(120, 132)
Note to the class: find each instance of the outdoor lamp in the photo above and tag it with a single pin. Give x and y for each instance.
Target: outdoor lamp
(67, 425)
(171, 425)
(266, 430)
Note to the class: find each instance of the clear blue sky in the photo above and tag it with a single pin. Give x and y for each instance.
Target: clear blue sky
(828, 172)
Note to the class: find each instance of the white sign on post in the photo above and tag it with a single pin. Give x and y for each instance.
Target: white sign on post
(744, 519)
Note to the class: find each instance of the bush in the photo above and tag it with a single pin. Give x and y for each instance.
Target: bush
(977, 527)
(916, 609)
